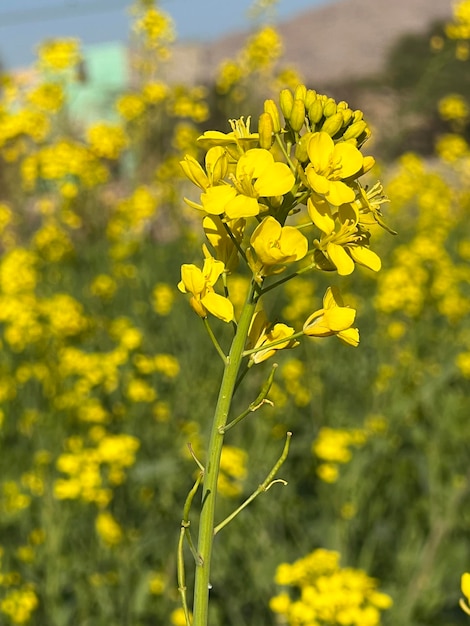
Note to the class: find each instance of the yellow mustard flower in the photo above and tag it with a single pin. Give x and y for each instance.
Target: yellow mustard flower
(200, 284)
(262, 333)
(217, 232)
(333, 319)
(330, 164)
(343, 242)
(236, 142)
(257, 175)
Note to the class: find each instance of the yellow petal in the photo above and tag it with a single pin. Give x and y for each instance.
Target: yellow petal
(211, 270)
(340, 258)
(339, 318)
(320, 150)
(350, 158)
(365, 256)
(241, 206)
(218, 305)
(317, 182)
(215, 199)
(320, 214)
(339, 193)
(349, 336)
(192, 279)
(276, 180)
(293, 244)
(465, 585)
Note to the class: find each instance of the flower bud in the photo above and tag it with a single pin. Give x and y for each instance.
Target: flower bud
(329, 107)
(342, 105)
(271, 108)
(310, 97)
(354, 130)
(347, 116)
(333, 124)
(286, 100)
(315, 111)
(265, 131)
(216, 164)
(194, 172)
(358, 115)
(301, 153)
(297, 116)
(300, 92)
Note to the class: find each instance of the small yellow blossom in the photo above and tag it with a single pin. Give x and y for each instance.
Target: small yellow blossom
(333, 319)
(200, 284)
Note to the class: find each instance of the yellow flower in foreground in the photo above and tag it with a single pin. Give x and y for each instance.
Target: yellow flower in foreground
(329, 165)
(465, 586)
(333, 319)
(257, 175)
(262, 333)
(274, 245)
(201, 285)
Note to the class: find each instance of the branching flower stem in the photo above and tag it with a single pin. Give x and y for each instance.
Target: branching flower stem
(214, 340)
(265, 485)
(206, 523)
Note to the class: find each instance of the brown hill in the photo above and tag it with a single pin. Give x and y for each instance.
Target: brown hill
(339, 41)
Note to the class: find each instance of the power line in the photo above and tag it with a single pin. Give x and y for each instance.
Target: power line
(53, 12)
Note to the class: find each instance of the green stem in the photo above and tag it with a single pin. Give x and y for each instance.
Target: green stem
(214, 340)
(206, 523)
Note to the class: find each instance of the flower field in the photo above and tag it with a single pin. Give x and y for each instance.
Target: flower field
(110, 369)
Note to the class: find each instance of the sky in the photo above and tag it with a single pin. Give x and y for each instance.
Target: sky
(25, 23)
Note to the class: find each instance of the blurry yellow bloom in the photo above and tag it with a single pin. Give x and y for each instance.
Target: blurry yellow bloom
(130, 106)
(329, 165)
(163, 297)
(103, 286)
(232, 471)
(156, 26)
(106, 140)
(275, 245)
(59, 54)
(328, 472)
(453, 107)
(333, 319)
(465, 587)
(178, 618)
(140, 391)
(19, 604)
(108, 529)
(155, 92)
(48, 97)
(200, 284)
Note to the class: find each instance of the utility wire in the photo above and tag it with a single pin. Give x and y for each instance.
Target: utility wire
(51, 12)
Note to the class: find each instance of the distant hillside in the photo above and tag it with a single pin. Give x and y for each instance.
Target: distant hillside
(346, 39)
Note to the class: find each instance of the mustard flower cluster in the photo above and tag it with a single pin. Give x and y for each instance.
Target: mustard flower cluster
(285, 194)
(327, 593)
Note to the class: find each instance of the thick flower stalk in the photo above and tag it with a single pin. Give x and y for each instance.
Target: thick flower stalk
(276, 203)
